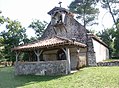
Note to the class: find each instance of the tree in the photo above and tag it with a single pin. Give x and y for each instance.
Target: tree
(14, 35)
(107, 35)
(2, 20)
(1, 48)
(112, 7)
(38, 27)
(116, 45)
(116, 40)
(85, 10)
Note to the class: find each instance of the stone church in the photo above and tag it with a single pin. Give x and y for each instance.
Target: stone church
(64, 46)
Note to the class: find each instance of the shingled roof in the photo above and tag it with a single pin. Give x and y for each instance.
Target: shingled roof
(48, 43)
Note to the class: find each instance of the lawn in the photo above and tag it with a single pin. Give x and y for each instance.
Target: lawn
(110, 60)
(89, 77)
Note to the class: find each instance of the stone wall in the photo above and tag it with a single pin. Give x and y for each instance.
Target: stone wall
(41, 68)
(90, 52)
(70, 29)
(114, 63)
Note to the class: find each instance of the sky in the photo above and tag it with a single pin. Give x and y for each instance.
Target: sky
(26, 11)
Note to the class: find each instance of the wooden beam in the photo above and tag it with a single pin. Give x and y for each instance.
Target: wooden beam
(38, 54)
(64, 50)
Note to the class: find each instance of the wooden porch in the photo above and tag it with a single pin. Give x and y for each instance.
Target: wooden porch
(56, 57)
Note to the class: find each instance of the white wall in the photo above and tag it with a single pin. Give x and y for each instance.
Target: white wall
(101, 52)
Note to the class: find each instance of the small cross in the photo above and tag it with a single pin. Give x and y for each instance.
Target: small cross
(60, 3)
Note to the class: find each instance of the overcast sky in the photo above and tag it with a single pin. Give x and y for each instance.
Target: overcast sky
(27, 10)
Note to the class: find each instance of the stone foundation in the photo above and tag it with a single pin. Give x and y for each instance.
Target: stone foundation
(41, 68)
(114, 63)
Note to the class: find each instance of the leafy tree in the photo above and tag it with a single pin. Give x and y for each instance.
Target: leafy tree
(1, 48)
(85, 10)
(111, 38)
(116, 45)
(2, 20)
(38, 27)
(14, 35)
(112, 7)
(116, 41)
(107, 35)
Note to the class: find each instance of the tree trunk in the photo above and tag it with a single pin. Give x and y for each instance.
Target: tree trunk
(110, 10)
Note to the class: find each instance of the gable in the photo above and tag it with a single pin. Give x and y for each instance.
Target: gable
(70, 29)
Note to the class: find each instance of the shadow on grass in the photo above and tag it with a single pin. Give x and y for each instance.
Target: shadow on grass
(9, 80)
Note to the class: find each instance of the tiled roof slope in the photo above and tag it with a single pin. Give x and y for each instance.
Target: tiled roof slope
(51, 42)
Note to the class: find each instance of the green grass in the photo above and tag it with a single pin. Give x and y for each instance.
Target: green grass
(90, 77)
(111, 60)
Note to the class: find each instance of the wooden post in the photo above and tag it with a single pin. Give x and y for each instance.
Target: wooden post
(67, 52)
(78, 61)
(38, 54)
(68, 59)
(17, 54)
